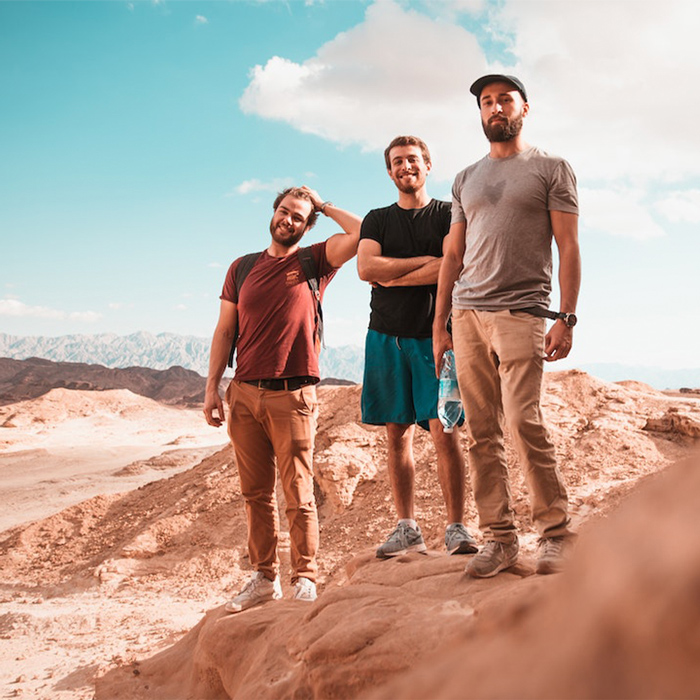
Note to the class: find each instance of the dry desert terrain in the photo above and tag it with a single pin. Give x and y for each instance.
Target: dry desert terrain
(123, 533)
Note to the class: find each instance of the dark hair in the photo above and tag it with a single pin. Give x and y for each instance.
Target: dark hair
(407, 141)
(299, 193)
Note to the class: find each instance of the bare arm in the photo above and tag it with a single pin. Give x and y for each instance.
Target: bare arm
(426, 274)
(341, 246)
(218, 357)
(565, 229)
(453, 254)
(372, 266)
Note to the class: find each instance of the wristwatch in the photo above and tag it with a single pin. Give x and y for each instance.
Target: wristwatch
(569, 319)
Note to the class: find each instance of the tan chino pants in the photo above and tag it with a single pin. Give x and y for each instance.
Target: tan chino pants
(268, 427)
(499, 357)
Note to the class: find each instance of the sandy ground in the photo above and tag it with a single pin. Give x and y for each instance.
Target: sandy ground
(123, 529)
(68, 446)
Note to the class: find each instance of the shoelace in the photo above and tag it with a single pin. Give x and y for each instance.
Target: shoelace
(252, 585)
(551, 546)
(490, 547)
(402, 529)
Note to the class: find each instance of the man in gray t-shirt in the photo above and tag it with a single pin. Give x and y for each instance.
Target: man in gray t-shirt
(496, 278)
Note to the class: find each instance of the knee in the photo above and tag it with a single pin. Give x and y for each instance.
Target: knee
(258, 495)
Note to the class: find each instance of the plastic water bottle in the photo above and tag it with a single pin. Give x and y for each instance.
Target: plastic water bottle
(449, 400)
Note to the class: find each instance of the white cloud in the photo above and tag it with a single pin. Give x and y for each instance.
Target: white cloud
(18, 309)
(619, 212)
(201, 19)
(215, 265)
(398, 72)
(679, 207)
(604, 80)
(610, 84)
(256, 185)
(180, 307)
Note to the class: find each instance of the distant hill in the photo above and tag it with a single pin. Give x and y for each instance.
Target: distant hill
(28, 379)
(191, 352)
(155, 352)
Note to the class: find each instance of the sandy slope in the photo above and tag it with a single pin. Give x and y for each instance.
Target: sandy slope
(66, 446)
(103, 586)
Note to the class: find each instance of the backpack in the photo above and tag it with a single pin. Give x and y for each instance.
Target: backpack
(308, 265)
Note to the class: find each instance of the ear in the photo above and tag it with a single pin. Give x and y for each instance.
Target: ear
(526, 108)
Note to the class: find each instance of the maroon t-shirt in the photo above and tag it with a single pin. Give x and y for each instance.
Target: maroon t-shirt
(276, 316)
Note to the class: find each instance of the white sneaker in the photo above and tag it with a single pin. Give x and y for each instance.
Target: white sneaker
(305, 590)
(259, 589)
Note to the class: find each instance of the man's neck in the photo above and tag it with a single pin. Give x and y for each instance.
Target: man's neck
(505, 149)
(275, 250)
(414, 200)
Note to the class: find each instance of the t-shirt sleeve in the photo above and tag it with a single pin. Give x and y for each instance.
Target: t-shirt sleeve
(229, 292)
(458, 215)
(371, 227)
(562, 192)
(325, 269)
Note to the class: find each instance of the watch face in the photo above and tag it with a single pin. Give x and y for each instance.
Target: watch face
(570, 320)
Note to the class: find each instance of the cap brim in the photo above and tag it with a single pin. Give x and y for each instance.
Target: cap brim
(481, 83)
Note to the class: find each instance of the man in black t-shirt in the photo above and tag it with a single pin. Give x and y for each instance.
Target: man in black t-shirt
(399, 254)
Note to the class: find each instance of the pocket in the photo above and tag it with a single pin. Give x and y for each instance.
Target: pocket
(308, 399)
(230, 395)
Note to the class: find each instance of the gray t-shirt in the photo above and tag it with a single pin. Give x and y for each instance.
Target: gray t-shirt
(508, 246)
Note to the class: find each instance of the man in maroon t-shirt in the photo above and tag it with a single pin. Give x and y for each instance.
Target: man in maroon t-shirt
(272, 398)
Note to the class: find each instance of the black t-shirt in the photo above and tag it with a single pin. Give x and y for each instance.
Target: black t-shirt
(406, 312)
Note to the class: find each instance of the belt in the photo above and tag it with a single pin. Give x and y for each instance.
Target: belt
(288, 384)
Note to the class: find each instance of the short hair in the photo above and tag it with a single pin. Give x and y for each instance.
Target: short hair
(407, 141)
(299, 193)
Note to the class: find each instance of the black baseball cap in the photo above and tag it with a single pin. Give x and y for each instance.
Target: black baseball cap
(481, 83)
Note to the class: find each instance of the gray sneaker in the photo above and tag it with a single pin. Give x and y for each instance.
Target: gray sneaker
(403, 539)
(552, 555)
(259, 589)
(494, 557)
(459, 541)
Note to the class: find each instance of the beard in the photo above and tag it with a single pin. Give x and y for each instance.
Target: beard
(409, 187)
(284, 237)
(503, 131)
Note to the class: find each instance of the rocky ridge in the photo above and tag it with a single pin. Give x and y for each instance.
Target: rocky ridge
(154, 566)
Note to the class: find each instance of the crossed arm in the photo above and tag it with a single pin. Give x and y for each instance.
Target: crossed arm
(376, 268)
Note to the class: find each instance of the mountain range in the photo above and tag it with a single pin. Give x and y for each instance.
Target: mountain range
(165, 350)
(160, 351)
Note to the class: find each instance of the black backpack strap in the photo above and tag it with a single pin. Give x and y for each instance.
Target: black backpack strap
(245, 265)
(308, 265)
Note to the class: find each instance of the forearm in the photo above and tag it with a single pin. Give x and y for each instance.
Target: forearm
(569, 279)
(218, 357)
(565, 231)
(448, 275)
(423, 275)
(349, 222)
(381, 269)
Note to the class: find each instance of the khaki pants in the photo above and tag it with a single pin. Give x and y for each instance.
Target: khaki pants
(499, 357)
(268, 426)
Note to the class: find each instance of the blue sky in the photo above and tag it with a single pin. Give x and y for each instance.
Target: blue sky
(142, 143)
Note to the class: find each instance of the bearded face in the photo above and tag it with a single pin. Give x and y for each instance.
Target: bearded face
(502, 112)
(289, 222)
(500, 128)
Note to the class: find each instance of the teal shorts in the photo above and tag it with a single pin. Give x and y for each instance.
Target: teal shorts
(399, 383)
